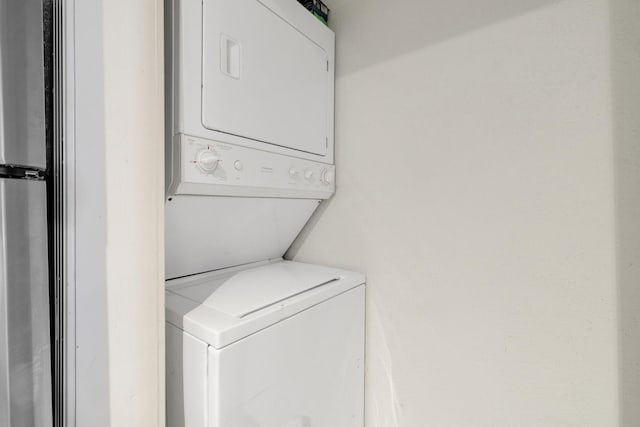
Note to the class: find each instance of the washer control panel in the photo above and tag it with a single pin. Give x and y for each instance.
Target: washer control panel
(208, 167)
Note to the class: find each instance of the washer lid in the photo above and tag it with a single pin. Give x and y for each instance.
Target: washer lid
(225, 306)
(242, 293)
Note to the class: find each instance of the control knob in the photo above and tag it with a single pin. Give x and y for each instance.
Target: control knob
(327, 176)
(207, 160)
(308, 175)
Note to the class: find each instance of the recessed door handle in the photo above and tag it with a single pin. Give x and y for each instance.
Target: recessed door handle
(230, 56)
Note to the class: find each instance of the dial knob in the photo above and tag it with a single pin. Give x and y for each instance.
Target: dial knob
(207, 161)
(327, 176)
(308, 175)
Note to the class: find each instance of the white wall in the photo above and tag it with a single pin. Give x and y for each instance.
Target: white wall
(119, 210)
(487, 186)
(625, 74)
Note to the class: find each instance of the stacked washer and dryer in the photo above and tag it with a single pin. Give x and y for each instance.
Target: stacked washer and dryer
(253, 340)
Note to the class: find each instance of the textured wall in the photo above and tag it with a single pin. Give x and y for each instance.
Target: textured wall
(488, 185)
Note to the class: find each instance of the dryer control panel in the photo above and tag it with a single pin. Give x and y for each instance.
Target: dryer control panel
(205, 167)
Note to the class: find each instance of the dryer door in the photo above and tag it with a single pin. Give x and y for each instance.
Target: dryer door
(263, 79)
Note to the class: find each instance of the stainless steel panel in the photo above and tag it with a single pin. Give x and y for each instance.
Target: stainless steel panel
(25, 355)
(22, 112)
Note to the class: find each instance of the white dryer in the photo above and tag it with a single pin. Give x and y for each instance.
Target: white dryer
(249, 122)
(275, 344)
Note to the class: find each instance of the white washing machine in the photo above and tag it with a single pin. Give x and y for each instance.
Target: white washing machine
(253, 340)
(274, 344)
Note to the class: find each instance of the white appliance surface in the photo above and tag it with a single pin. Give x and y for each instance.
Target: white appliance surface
(252, 73)
(209, 233)
(253, 340)
(225, 306)
(301, 364)
(279, 82)
(248, 291)
(239, 171)
(249, 138)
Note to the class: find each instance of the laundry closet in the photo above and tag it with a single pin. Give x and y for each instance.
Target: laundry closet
(170, 179)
